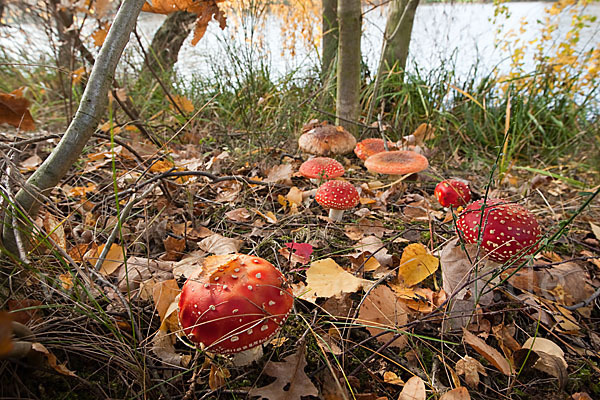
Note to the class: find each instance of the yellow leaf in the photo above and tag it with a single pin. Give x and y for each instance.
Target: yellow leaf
(416, 264)
(161, 166)
(325, 278)
(183, 103)
(113, 260)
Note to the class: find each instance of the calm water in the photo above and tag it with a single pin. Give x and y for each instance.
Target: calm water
(459, 33)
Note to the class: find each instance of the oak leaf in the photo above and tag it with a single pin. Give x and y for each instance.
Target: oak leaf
(205, 10)
(14, 110)
(291, 381)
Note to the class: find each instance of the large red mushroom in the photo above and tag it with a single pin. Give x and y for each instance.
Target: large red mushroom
(234, 303)
(371, 146)
(510, 231)
(337, 196)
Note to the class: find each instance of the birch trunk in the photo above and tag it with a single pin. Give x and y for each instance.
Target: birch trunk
(348, 66)
(91, 109)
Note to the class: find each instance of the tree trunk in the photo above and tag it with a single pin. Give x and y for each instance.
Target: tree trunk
(91, 108)
(330, 36)
(398, 31)
(164, 50)
(348, 66)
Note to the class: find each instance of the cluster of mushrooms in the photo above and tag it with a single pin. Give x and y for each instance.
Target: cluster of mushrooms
(236, 302)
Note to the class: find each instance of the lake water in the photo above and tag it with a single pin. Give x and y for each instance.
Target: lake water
(462, 34)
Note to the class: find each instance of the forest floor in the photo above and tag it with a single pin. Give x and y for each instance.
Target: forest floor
(356, 332)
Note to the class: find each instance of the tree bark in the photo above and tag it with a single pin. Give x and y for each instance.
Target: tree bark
(398, 32)
(164, 50)
(91, 108)
(330, 29)
(348, 66)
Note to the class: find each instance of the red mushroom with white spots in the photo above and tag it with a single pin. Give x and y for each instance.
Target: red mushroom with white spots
(452, 193)
(234, 303)
(337, 196)
(510, 231)
(321, 168)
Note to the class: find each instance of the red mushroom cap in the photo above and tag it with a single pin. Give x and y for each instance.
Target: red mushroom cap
(452, 192)
(233, 303)
(397, 162)
(324, 140)
(321, 168)
(510, 231)
(337, 195)
(369, 147)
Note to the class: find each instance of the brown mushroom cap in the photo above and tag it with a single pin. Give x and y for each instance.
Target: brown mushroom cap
(399, 162)
(322, 167)
(233, 303)
(327, 140)
(372, 146)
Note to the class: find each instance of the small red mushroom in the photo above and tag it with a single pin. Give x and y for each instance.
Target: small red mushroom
(510, 231)
(234, 303)
(371, 146)
(321, 168)
(337, 196)
(452, 193)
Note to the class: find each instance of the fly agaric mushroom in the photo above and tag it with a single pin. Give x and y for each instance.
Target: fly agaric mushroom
(326, 140)
(321, 168)
(452, 193)
(369, 147)
(337, 196)
(399, 162)
(510, 231)
(233, 303)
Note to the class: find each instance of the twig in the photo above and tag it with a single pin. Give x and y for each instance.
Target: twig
(585, 302)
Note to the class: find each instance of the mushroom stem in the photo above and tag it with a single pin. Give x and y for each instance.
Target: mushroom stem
(336, 215)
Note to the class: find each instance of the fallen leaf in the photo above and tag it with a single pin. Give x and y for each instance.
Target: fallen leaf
(580, 396)
(470, 368)
(291, 382)
(381, 311)
(217, 376)
(79, 191)
(391, 378)
(596, 230)
(112, 261)
(239, 215)
(374, 246)
(488, 352)
(25, 311)
(140, 269)
(30, 163)
(14, 110)
(280, 174)
(183, 103)
(505, 339)
(550, 358)
(325, 278)
(414, 389)
(164, 293)
(55, 229)
(416, 264)
(303, 250)
(52, 360)
(460, 393)
(174, 247)
(218, 244)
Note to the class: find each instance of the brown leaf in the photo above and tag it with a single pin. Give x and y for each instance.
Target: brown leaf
(470, 368)
(52, 360)
(164, 293)
(217, 376)
(382, 311)
(580, 396)
(174, 248)
(218, 244)
(488, 352)
(414, 389)
(551, 358)
(280, 174)
(373, 245)
(99, 35)
(54, 228)
(14, 110)
(239, 215)
(460, 393)
(291, 381)
(30, 163)
(25, 311)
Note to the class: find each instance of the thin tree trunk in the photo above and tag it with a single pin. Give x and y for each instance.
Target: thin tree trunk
(348, 66)
(330, 29)
(164, 50)
(91, 109)
(398, 32)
